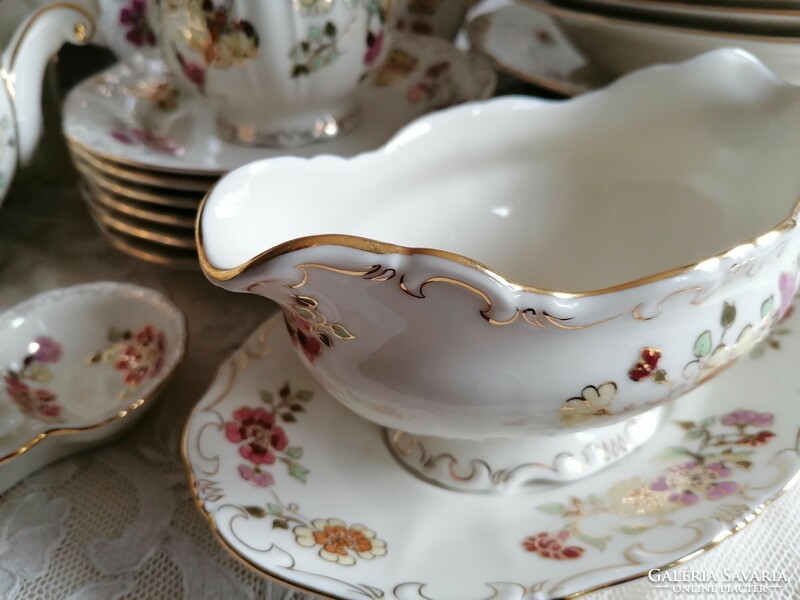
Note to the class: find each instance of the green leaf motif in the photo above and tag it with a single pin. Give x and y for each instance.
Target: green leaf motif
(304, 395)
(597, 542)
(330, 29)
(694, 434)
(255, 511)
(767, 307)
(304, 312)
(631, 528)
(702, 345)
(298, 471)
(687, 425)
(553, 508)
(728, 315)
(341, 332)
(671, 452)
(708, 422)
(274, 509)
(295, 452)
(267, 397)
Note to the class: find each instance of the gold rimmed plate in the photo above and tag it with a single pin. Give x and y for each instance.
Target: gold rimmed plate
(146, 213)
(721, 457)
(158, 254)
(149, 232)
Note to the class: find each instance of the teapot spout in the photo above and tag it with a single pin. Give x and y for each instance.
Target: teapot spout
(23, 62)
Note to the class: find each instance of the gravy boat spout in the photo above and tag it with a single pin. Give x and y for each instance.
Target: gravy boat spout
(547, 272)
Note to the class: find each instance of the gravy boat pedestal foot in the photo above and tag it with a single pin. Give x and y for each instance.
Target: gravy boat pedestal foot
(521, 464)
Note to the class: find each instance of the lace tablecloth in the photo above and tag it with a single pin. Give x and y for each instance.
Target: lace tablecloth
(118, 522)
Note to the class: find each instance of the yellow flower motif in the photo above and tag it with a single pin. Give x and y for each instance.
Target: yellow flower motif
(720, 358)
(634, 498)
(593, 402)
(339, 542)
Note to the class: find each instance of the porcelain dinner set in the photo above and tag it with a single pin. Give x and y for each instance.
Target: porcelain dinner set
(522, 345)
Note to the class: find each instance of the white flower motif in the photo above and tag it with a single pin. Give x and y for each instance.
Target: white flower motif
(593, 401)
(720, 358)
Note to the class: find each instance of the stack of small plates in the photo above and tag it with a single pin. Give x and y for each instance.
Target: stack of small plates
(619, 36)
(147, 153)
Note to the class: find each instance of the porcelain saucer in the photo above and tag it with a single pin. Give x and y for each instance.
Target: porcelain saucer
(526, 43)
(306, 492)
(149, 125)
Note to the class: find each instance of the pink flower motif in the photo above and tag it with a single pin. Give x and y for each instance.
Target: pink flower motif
(34, 403)
(134, 18)
(741, 418)
(257, 428)
(787, 284)
(552, 545)
(48, 350)
(256, 476)
(374, 47)
(689, 481)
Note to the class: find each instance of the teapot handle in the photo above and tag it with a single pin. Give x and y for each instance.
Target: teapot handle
(22, 63)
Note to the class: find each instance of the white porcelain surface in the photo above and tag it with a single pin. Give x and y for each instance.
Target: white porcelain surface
(619, 46)
(117, 114)
(281, 73)
(22, 65)
(411, 541)
(80, 365)
(750, 19)
(524, 42)
(589, 311)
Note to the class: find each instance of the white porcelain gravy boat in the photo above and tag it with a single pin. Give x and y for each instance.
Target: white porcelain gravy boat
(656, 219)
(22, 65)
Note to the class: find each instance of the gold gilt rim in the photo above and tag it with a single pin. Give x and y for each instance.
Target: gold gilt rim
(477, 30)
(128, 175)
(119, 415)
(105, 201)
(719, 11)
(102, 182)
(743, 520)
(157, 256)
(576, 15)
(377, 247)
(126, 162)
(143, 233)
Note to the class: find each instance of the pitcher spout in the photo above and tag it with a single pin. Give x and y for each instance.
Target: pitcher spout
(23, 62)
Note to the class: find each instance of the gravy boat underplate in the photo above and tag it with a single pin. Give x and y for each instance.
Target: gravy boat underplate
(662, 207)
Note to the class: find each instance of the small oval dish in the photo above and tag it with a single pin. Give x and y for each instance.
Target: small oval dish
(79, 365)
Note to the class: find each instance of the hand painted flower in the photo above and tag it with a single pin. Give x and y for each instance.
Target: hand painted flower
(134, 18)
(714, 364)
(756, 439)
(33, 403)
(303, 336)
(46, 350)
(143, 357)
(339, 543)
(647, 366)
(551, 545)
(256, 476)
(257, 428)
(374, 47)
(739, 418)
(686, 482)
(593, 402)
(634, 498)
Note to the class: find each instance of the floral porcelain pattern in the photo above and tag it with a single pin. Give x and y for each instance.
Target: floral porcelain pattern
(137, 355)
(310, 328)
(704, 469)
(262, 442)
(133, 18)
(26, 383)
(706, 472)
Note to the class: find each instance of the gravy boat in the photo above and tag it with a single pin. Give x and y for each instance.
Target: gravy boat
(641, 239)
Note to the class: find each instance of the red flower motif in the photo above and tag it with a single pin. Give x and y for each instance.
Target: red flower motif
(647, 366)
(374, 47)
(304, 337)
(757, 439)
(34, 403)
(142, 357)
(257, 428)
(549, 545)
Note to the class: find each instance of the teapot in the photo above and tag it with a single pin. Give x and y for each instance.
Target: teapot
(22, 65)
(519, 280)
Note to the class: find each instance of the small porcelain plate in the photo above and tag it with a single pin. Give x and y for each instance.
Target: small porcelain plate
(79, 365)
(525, 43)
(141, 121)
(306, 492)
